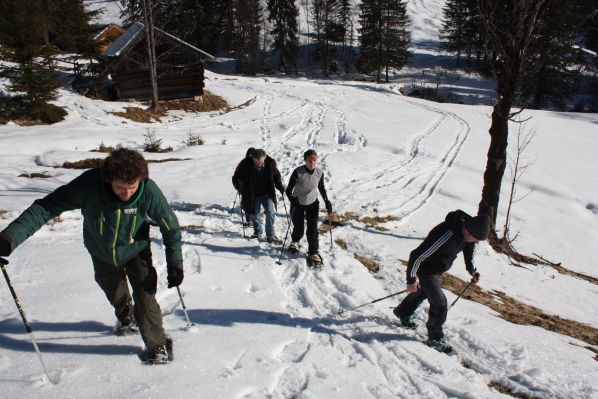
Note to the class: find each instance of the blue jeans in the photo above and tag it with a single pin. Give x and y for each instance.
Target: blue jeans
(266, 202)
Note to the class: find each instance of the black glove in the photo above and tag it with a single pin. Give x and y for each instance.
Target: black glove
(475, 276)
(175, 275)
(4, 247)
(328, 206)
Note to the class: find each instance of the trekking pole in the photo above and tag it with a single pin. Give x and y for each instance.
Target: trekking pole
(234, 203)
(189, 324)
(341, 310)
(461, 294)
(330, 228)
(279, 261)
(22, 313)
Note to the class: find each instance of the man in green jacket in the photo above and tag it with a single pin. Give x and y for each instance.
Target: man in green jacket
(118, 202)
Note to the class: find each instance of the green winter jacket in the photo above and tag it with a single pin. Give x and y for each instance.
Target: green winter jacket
(110, 226)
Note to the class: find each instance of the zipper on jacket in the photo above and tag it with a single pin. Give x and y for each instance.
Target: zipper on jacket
(115, 237)
(102, 223)
(165, 225)
(131, 240)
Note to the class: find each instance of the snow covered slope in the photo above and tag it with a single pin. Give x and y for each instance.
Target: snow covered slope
(272, 331)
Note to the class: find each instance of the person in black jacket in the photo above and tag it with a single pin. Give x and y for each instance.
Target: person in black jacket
(237, 184)
(435, 255)
(257, 179)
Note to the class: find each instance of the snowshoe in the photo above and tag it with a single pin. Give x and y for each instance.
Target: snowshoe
(314, 261)
(405, 322)
(123, 329)
(441, 345)
(274, 240)
(294, 247)
(160, 355)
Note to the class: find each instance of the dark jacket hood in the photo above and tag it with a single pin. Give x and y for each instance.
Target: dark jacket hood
(455, 220)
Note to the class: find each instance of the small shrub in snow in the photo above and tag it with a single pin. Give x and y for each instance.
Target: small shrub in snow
(194, 139)
(153, 143)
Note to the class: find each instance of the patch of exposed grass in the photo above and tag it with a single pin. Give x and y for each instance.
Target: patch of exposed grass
(507, 390)
(370, 222)
(97, 162)
(517, 312)
(84, 164)
(43, 175)
(370, 264)
(104, 149)
(208, 102)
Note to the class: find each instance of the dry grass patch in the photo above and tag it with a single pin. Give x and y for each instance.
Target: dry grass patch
(370, 222)
(84, 164)
(43, 175)
(370, 264)
(97, 162)
(208, 102)
(517, 312)
(507, 390)
(104, 149)
(504, 247)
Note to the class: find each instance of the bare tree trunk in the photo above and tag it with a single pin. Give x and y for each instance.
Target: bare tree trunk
(509, 29)
(151, 49)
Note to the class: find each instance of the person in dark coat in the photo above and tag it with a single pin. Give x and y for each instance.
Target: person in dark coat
(118, 201)
(257, 179)
(435, 255)
(237, 186)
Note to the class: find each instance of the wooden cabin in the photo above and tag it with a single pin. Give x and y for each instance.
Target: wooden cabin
(180, 66)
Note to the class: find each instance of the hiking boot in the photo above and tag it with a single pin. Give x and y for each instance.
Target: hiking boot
(406, 322)
(156, 356)
(294, 247)
(274, 240)
(255, 236)
(441, 345)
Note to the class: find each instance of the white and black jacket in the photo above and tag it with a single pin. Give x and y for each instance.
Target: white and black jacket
(435, 255)
(304, 185)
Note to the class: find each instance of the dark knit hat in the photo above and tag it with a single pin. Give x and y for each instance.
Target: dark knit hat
(478, 226)
(308, 154)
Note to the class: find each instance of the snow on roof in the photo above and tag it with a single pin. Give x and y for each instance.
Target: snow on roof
(130, 36)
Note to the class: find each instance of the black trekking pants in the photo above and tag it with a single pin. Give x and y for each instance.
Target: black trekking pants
(310, 214)
(144, 280)
(429, 288)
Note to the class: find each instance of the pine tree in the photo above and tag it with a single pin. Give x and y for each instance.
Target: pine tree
(461, 29)
(247, 27)
(551, 82)
(323, 22)
(283, 15)
(22, 26)
(384, 35)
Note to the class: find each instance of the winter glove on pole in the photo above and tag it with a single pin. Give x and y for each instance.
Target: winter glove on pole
(475, 277)
(175, 275)
(328, 206)
(4, 247)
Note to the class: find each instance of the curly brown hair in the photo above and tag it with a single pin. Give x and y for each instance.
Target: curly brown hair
(125, 165)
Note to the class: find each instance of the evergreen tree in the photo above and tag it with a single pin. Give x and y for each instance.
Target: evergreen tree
(551, 82)
(344, 19)
(246, 34)
(283, 15)
(384, 35)
(68, 26)
(22, 29)
(324, 24)
(461, 29)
